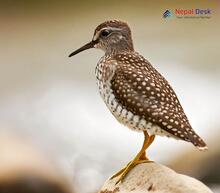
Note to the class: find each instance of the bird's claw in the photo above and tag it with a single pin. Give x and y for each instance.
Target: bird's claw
(124, 171)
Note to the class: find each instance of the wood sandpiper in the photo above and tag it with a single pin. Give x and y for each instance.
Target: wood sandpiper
(135, 92)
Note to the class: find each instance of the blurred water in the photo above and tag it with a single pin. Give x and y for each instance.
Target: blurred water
(53, 100)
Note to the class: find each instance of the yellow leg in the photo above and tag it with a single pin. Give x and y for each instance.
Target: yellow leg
(140, 158)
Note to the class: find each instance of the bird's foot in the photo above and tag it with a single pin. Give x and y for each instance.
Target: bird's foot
(139, 159)
(124, 171)
(119, 172)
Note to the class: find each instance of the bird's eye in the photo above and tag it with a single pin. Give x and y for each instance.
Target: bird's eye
(105, 33)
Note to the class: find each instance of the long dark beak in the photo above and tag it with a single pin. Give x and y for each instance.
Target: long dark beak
(85, 47)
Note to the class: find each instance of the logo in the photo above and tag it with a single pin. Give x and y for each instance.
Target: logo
(188, 13)
(167, 14)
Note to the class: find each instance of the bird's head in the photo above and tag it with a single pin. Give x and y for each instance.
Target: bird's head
(111, 37)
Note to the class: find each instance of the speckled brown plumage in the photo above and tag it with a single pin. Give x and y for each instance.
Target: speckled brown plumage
(139, 88)
(136, 87)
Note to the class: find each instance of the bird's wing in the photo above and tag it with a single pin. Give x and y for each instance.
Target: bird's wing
(141, 89)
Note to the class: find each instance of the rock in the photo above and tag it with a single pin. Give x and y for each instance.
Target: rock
(156, 178)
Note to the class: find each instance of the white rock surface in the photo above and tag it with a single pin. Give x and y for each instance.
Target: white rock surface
(156, 178)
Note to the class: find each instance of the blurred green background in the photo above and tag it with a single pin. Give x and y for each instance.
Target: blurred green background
(53, 100)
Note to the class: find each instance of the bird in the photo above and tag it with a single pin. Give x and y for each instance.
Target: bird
(136, 94)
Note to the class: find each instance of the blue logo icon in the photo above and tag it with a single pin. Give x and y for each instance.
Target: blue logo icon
(167, 14)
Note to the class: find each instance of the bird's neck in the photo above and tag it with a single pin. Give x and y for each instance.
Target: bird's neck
(119, 48)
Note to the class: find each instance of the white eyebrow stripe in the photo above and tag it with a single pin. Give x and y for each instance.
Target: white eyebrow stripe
(95, 37)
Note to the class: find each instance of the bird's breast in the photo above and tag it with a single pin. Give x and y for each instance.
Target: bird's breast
(104, 74)
(120, 112)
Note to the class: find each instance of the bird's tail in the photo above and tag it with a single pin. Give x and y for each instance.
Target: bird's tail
(198, 142)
